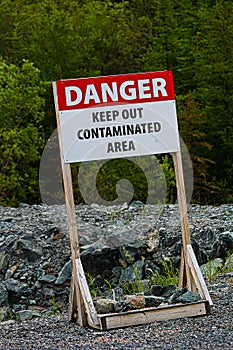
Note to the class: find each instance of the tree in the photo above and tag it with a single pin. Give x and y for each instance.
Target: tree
(214, 92)
(21, 132)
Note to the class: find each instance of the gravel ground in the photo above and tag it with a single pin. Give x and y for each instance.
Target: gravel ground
(214, 331)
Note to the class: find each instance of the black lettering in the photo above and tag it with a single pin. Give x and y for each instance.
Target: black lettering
(125, 114)
(130, 129)
(101, 132)
(94, 117)
(110, 148)
(131, 146)
(124, 146)
(86, 133)
(157, 127)
(143, 126)
(108, 132)
(95, 133)
(116, 131)
(115, 113)
(102, 116)
(150, 127)
(133, 113)
(124, 131)
(138, 129)
(140, 112)
(79, 134)
(117, 146)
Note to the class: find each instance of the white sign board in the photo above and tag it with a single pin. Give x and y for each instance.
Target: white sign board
(117, 116)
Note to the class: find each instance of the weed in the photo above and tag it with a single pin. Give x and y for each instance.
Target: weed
(110, 285)
(170, 274)
(214, 267)
(93, 288)
(228, 267)
(55, 309)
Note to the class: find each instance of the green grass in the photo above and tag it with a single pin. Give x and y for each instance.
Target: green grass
(169, 275)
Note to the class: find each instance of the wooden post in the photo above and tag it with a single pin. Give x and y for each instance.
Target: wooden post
(76, 301)
(186, 278)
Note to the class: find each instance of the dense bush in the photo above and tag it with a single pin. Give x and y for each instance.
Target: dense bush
(71, 39)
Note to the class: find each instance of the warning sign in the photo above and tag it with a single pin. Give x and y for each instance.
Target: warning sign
(117, 116)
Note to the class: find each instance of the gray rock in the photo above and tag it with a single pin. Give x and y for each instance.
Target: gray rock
(188, 297)
(122, 306)
(27, 314)
(16, 287)
(150, 269)
(32, 255)
(65, 273)
(38, 284)
(99, 258)
(47, 278)
(3, 295)
(207, 244)
(226, 238)
(128, 274)
(139, 267)
(174, 297)
(36, 239)
(168, 290)
(133, 273)
(152, 301)
(105, 306)
(156, 290)
(136, 301)
(48, 292)
(133, 251)
(3, 262)
(117, 294)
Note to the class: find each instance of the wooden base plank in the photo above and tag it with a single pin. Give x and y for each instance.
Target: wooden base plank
(150, 315)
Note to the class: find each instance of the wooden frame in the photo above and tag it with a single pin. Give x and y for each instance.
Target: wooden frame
(81, 307)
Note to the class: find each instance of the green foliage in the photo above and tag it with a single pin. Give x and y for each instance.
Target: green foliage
(21, 134)
(71, 39)
(213, 267)
(21, 93)
(91, 284)
(169, 274)
(55, 307)
(148, 175)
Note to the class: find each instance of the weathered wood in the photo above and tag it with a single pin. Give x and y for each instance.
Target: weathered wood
(73, 314)
(72, 301)
(181, 197)
(145, 316)
(72, 226)
(182, 277)
(197, 275)
(87, 299)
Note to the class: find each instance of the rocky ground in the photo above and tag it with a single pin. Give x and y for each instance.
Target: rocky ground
(35, 271)
(55, 332)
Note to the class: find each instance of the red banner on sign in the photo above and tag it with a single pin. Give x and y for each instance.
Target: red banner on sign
(115, 89)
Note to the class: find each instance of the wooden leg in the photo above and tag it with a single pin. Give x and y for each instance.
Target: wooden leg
(182, 276)
(77, 312)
